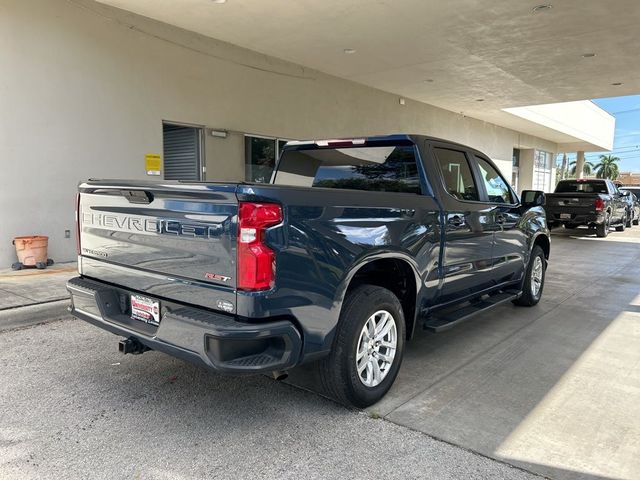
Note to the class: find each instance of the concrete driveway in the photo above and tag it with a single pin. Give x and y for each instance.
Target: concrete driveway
(553, 390)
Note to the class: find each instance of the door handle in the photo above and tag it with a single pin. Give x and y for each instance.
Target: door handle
(456, 221)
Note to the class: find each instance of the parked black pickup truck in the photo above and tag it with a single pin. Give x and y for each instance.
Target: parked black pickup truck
(354, 245)
(596, 203)
(633, 204)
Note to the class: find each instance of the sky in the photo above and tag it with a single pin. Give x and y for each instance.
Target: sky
(626, 143)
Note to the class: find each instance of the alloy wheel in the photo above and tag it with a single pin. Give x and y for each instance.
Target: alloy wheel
(536, 276)
(376, 350)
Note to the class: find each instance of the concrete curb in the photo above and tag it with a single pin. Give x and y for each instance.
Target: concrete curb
(19, 317)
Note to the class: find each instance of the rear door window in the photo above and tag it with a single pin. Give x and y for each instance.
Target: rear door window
(456, 174)
(378, 168)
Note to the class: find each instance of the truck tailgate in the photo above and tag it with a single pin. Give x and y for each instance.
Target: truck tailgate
(162, 239)
(575, 203)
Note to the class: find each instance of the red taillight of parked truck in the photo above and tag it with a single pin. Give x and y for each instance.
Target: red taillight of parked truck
(256, 261)
(599, 204)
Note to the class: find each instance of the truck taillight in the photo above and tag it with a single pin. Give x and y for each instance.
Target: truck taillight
(256, 261)
(599, 204)
(78, 223)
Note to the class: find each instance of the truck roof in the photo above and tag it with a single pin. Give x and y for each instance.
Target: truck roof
(371, 140)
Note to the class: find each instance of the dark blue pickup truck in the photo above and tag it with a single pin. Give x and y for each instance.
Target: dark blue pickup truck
(353, 246)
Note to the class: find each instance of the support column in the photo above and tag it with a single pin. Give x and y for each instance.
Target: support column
(580, 165)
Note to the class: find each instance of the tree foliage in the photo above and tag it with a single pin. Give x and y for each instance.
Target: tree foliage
(586, 169)
(608, 167)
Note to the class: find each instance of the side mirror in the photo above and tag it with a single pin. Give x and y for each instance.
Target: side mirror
(625, 193)
(532, 198)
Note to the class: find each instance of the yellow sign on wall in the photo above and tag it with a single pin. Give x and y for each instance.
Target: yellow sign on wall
(153, 163)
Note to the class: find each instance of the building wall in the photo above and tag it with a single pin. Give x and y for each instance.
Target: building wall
(84, 90)
(629, 178)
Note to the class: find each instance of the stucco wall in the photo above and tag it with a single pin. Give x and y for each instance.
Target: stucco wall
(84, 90)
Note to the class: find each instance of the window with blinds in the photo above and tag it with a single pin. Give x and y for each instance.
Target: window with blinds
(182, 152)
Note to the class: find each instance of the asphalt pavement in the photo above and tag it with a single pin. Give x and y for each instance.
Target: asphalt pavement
(72, 407)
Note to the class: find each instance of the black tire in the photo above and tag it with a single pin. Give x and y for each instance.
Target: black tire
(41, 265)
(528, 298)
(338, 372)
(602, 229)
(623, 224)
(636, 221)
(16, 266)
(50, 262)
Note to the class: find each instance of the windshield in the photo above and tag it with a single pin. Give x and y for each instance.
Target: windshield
(634, 190)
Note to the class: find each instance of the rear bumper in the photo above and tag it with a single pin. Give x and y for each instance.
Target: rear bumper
(554, 217)
(206, 338)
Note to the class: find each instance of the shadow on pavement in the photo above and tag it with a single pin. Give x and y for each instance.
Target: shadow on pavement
(550, 388)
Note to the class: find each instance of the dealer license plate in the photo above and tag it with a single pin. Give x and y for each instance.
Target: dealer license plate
(565, 216)
(145, 309)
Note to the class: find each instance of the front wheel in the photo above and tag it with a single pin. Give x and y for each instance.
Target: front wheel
(623, 224)
(534, 279)
(368, 347)
(630, 220)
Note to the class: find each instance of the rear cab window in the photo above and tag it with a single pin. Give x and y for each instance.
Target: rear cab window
(379, 168)
(582, 186)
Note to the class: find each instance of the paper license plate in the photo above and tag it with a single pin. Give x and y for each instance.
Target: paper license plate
(565, 216)
(145, 309)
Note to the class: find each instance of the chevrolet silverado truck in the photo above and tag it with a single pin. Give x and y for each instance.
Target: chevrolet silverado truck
(353, 246)
(596, 203)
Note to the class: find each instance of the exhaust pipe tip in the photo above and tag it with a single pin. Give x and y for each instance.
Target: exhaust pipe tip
(279, 375)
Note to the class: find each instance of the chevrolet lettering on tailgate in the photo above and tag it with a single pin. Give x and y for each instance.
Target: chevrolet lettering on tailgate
(146, 225)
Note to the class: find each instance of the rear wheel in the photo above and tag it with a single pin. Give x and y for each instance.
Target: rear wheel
(368, 347)
(534, 279)
(602, 229)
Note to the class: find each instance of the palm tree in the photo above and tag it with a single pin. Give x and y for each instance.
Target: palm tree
(586, 169)
(564, 167)
(607, 168)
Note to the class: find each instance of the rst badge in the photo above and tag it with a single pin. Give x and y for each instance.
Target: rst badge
(216, 277)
